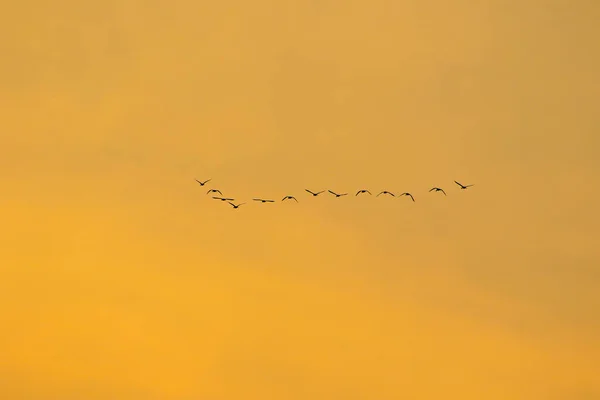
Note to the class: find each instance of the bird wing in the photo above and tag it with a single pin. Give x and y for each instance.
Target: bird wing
(411, 196)
(332, 192)
(469, 185)
(443, 192)
(217, 198)
(459, 184)
(432, 189)
(379, 194)
(206, 181)
(357, 193)
(257, 199)
(343, 194)
(286, 197)
(218, 191)
(231, 203)
(292, 197)
(269, 201)
(309, 191)
(320, 192)
(368, 192)
(228, 199)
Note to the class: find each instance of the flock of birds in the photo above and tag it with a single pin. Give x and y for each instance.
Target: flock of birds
(315, 194)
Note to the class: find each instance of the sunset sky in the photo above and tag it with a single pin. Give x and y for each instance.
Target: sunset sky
(121, 279)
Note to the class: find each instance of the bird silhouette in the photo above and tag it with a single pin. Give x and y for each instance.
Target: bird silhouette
(408, 194)
(386, 192)
(203, 183)
(462, 186)
(313, 193)
(289, 197)
(223, 198)
(214, 191)
(437, 189)
(362, 191)
(337, 194)
(236, 206)
(264, 200)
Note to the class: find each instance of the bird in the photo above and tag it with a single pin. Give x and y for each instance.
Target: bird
(362, 191)
(214, 191)
(462, 186)
(337, 194)
(437, 189)
(236, 206)
(264, 201)
(223, 198)
(203, 183)
(289, 197)
(313, 193)
(408, 194)
(386, 192)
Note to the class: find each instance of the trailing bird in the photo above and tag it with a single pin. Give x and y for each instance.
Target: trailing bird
(203, 183)
(437, 189)
(223, 198)
(362, 191)
(386, 192)
(289, 197)
(462, 186)
(313, 193)
(236, 206)
(264, 201)
(337, 194)
(214, 191)
(408, 194)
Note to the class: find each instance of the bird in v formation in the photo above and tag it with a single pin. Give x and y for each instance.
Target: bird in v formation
(315, 194)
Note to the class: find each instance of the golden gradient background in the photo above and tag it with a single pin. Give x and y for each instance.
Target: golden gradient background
(121, 279)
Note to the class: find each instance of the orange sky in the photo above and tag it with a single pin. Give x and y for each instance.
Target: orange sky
(121, 279)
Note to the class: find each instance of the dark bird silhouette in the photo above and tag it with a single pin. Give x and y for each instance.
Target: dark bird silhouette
(313, 193)
(290, 198)
(408, 194)
(203, 183)
(264, 200)
(462, 186)
(214, 191)
(386, 192)
(337, 194)
(236, 206)
(362, 191)
(223, 198)
(437, 189)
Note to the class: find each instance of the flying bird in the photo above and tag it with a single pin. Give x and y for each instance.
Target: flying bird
(203, 183)
(313, 193)
(337, 194)
(462, 186)
(362, 191)
(264, 201)
(236, 206)
(290, 198)
(214, 191)
(386, 192)
(223, 198)
(437, 189)
(408, 194)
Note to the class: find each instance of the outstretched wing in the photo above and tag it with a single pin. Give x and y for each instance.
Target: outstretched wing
(459, 184)
(368, 192)
(333, 193)
(432, 189)
(309, 191)
(442, 190)
(232, 204)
